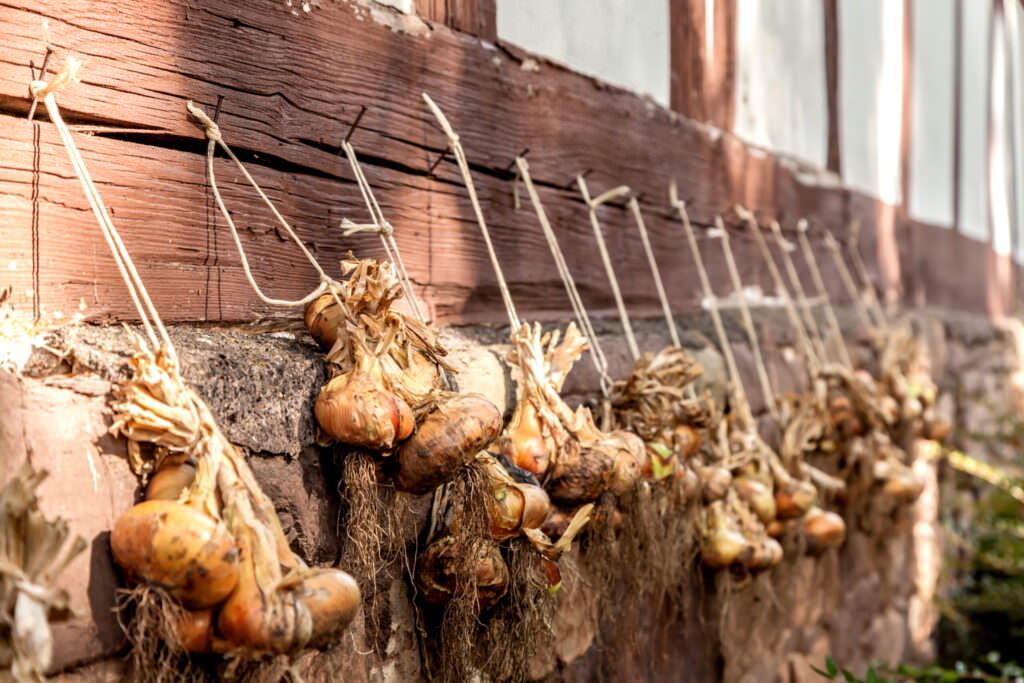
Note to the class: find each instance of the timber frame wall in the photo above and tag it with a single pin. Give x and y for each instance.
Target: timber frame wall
(291, 88)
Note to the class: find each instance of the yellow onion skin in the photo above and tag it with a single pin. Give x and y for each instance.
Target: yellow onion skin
(515, 507)
(903, 485)
(823, 530)
(452, 433)
(758, 496)
(630, 458)
(690, 482)
(178, 547)
(776, 528)
(524, 445)
(444, 563)
(552, 574)
(354, 409)
(715, 483)
(582, 480)
(766, 555)
(687, 440)
(794, 498)
(195, 630)
(307, 614)
(936, 429)
(170, 480)
(722, 547)
(323, 319)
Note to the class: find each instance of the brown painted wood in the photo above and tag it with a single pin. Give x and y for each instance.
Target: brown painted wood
(286, 111)
(703, 83)
(477, 17)
(831, 13)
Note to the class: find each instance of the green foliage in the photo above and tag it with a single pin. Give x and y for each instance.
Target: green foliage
(991, 669)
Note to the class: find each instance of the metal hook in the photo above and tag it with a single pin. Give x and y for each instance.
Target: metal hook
(355, 123)
(42, 72)
(216, 107)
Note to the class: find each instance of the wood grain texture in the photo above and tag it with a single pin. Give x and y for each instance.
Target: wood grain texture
(292, 87)
(476, 17)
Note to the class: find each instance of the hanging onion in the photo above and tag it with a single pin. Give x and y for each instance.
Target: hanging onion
(353, 408)
(757, 495)
(175, 474)
(722, 543)
(195, 630)
(523, 443)
(178, 547)
(793, 498)
(444, 564)
(516, 506)
(324, 320)
(457, 427)
(823, 530)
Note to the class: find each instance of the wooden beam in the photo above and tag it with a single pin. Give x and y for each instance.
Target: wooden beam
(286, 111)
(703, 63)
(831, 13)
(477, 17)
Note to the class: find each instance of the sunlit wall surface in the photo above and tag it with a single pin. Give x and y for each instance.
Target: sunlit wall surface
(780, 77)
(623, 43)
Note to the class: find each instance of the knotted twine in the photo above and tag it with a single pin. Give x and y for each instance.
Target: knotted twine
(592, 206)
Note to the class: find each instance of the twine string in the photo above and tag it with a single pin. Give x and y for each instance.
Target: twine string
(592, 206)
(813, 331)
(813, 363)
(148, 314)
(748, 320)
(382, 227)
(844, 275)
(215, 139)
(460, 158)
(819, 282)
(580, 311)
(874, 303)
(712, 305)
(634, 206)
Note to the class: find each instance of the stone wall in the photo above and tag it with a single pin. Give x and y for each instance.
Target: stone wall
(871, 599)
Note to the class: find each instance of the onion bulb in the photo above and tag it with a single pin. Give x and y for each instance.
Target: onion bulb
(353, 408)
(581, 477)
(195, 630)
(776, 528)
(688, 480)
(173, 477)
(716, 482)
(757, 495)
(687, 440)
(524, 444)
(324, 319)
(843, 417)
(793, 498)
(178, 547)
(308, 608)
(516, 506)
(444, 564)
(936, 429)
(766, 554)
(630, 456)
(823, 530)
(722, 542)
(457, 428)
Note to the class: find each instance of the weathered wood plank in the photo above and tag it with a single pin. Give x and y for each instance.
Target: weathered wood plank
(294, 84)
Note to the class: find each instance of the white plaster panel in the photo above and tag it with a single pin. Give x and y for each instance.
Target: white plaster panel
(932, 115)
(623, 43)
(870, 102)
(974, 72)
(780, 77)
